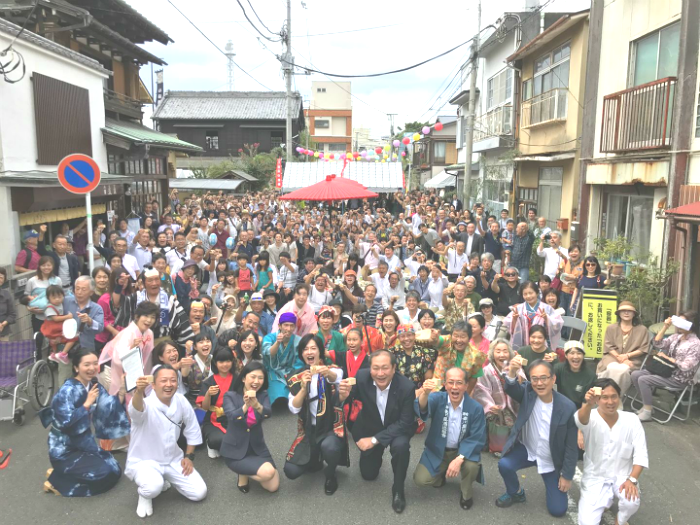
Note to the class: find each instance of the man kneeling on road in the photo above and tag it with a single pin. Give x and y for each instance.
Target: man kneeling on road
(155, 461)
(616, 455)
(456, 437)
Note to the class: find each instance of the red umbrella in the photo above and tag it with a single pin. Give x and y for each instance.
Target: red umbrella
(331, 189)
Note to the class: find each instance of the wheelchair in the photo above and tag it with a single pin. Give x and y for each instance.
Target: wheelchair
(23, 379)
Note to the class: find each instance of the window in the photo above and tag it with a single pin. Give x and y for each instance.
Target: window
(549, 195)
(497, 185)
(552, 70)
(336, 147)
(212, 140)
(320, 90)
(439, 152)
(276, 139)
(62, 118)
(499, 88)
(325, 124)
(629, 216)
(655, 56)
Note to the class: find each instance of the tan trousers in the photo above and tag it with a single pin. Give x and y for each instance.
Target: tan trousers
(469, 471)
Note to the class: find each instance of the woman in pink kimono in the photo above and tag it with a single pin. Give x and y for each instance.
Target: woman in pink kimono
(138, 333)
(532, 312)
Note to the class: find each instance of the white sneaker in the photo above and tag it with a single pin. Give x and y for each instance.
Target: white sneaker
(144, 508)
(166, 485)
(644, 415)
(213, 453)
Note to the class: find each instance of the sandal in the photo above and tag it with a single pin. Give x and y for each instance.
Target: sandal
(48, 487)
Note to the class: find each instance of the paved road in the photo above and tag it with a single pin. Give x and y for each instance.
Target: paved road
(671, 489)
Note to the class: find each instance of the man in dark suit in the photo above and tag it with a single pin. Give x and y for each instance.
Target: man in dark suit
(544, 435)
(385, 419)
(473, 242)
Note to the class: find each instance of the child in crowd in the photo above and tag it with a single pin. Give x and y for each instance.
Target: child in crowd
(52, 328)
(507, 235)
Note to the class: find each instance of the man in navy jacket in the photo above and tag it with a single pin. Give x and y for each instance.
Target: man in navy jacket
(544, 435)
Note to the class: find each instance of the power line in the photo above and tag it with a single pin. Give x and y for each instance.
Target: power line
(217, 47)
(386, 72)
(348, 31)
(256, 27)
(259, 19)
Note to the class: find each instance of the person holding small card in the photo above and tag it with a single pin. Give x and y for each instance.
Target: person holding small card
(529, 313)
(246, 406)
(456, 436)
(321, 433)
(155, 461)
(616, 455)
(682, 349)
(544, 436)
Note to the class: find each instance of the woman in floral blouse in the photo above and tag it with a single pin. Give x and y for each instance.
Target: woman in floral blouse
(411, 361)
(683, 350)
(388, 329)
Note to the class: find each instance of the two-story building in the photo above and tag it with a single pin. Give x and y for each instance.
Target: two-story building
(329, 116)
(552, 67)
(224, 122)
(641, 140)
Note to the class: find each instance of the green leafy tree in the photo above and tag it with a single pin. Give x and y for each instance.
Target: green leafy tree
(411, 127)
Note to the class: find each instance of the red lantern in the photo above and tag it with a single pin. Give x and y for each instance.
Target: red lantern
(378, 151)
(438, 126)
(406, 141)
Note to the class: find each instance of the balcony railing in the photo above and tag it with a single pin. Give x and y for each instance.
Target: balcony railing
(548, 107)
(495, 123)
(122, 104)
(638, 118)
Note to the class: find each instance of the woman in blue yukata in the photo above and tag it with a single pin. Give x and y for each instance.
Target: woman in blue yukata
(80, 467)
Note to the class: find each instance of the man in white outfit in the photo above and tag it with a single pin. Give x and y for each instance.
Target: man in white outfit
(155, 461)
(616, 455)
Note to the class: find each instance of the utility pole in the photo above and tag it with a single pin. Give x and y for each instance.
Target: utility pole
(391, 121)
(288, 68)
(469, 141)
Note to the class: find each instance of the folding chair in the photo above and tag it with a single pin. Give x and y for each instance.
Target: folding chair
(575, 324)
(688, 389)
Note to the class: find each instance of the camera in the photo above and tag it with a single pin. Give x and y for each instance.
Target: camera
(547, 236)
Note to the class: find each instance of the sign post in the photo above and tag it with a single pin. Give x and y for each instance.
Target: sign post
(80, 174)
(598, 309)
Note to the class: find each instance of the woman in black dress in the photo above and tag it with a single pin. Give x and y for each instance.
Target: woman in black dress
(244, 447)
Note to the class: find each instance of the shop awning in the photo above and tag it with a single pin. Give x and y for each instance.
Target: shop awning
(32, 179)
(687, 210)
(205, 184)
(442, 180)
(116, 132)
(63, 214)
(379, 177)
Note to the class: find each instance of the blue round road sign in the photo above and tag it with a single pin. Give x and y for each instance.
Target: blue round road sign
(78, 173)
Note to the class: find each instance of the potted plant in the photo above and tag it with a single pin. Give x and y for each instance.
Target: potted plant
(615, 252)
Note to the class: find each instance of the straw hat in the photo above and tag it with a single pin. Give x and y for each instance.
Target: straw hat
(626, 305)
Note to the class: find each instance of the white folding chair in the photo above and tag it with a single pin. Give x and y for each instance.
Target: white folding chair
(688, 390)
(575, 324)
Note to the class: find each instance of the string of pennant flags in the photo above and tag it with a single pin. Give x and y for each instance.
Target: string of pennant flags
(387, 153)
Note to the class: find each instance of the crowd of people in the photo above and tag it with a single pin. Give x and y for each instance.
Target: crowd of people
(370, 322)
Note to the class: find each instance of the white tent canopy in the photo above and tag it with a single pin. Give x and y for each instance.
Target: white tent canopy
(442, 180)
(379, 177)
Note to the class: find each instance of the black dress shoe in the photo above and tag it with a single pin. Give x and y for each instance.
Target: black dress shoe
(466, 504)
(331, 486)
(245, 489)
(398, 503)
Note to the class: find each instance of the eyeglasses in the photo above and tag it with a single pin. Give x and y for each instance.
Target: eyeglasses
(541, 379)
(590, 264)
(455, 383)
(509, 274)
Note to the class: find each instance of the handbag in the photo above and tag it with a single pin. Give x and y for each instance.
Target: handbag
(498, 433)
(660, 366)
(556, 284)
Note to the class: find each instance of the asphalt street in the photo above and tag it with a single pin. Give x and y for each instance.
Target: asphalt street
(670, 489)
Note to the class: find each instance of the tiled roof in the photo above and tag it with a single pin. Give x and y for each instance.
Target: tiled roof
(375, 176)
(141, 134)
(226, 105)
(204, 184)
(32, 38)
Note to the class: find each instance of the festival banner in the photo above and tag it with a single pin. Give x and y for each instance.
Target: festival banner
(278, 173)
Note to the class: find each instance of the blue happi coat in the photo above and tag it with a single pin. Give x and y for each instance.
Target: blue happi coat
(81, 467)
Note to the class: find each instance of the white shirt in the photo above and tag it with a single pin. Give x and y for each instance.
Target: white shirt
(155, 431)
(143, 255)
(456, 262)
(405, 318)
(131, 265)
(176, 259)
(367, 250)
(394, 263)
(468, 248)
(454, 424)
(318, 299)
(382, 398)
(551, 260)
(64, 271)
(611, 452)
(435, 288)
(535, 436)
(313, 393)
(399, 291)
(382, 284)
(412, 266)
(415, 224)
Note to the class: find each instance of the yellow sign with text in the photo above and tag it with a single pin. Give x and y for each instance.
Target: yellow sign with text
(598, 309)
